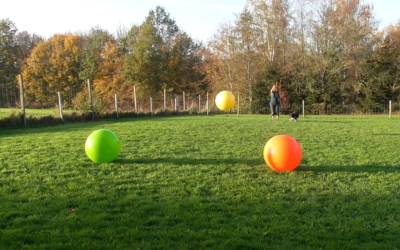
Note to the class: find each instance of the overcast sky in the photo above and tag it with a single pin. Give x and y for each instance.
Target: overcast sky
(199, 18)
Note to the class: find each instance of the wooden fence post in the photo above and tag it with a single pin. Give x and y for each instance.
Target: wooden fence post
(165, 99)
(207, 104)
(184, 103)
(116, 104)
(199, 104)
(390, 109)
(21, 95)
(90, 98)
(60, 106)
(134, 98)
(302, 104)
(238, 105)
(151, 105)
(175, 105)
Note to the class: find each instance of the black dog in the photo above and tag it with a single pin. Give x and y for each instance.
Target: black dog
(294, 117)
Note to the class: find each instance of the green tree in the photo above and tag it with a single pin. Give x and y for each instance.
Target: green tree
(143, 63)
(92, 45)
(159, 56)
(343, 42)
(25, 43)
(9, 67)
(382, 73)
(186, 67)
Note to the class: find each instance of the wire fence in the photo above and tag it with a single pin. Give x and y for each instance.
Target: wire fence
(341, 109)
(163, 102)
(98, 106)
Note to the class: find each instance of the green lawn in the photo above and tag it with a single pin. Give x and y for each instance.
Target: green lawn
(201, 182)
(5, 112)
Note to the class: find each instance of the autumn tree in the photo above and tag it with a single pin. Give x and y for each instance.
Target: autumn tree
(54, 65)
(223, 60)
(300, 63)
(247, 44)
(109, 80)
(253, 53)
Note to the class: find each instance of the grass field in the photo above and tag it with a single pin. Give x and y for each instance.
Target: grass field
(6, 112)
(200, 182)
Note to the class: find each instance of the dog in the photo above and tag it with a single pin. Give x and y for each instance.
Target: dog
(294, 117)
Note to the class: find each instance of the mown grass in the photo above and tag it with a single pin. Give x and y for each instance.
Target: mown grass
(6, 112)
(200, 182)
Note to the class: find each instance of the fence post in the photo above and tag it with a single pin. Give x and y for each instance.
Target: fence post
(207, 104)
(238, 105)
(184, 103)
(199, 104)
(21, 95)
(302, 104)
(90, 98)
(165, 99)
(390, 109)
(175, 108)
(151, 105)
(116, 103)
(134, 98)
(60, 107)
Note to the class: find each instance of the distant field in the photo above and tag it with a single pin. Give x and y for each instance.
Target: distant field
(201, 183)
(5, 112)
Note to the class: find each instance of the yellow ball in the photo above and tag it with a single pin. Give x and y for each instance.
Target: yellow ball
(225, 101)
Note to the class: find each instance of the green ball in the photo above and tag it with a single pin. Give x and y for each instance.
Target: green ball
(102, 146)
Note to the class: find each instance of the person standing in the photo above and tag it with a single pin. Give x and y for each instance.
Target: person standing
(275, 102)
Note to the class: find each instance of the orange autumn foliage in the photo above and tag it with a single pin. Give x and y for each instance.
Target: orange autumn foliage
(53, 66)
(109, 80)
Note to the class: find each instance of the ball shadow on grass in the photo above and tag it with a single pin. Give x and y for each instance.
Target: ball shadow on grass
(189, 161)
(259, 162)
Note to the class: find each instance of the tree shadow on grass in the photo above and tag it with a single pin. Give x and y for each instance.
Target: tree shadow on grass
(192, 161)
(72, 126)
(351, 169)
(199, 217)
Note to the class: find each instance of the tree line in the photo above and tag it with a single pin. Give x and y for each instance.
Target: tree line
(153, 56)
(329, 53)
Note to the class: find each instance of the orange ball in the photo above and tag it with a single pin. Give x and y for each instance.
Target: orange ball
(282, 154)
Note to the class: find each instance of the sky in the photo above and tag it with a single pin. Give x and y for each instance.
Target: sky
(199, 18)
